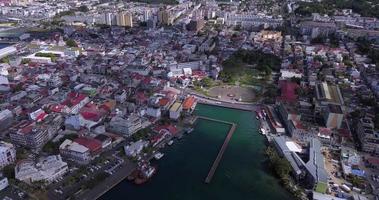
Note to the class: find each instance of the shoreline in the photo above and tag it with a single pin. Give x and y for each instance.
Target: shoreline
(110, 182)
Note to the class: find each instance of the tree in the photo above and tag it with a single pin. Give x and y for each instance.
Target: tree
(5, 60)
(207, 82)
(83, 8)
(71, 43)
(8, 171)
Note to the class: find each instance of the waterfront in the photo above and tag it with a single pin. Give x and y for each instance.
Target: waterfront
(3, 45)
(181, 172)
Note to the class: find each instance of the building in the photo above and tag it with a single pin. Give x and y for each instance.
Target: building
(165, 17)
(333, 116)
(189, 104)
(6, 51)
(6, 119)
(316, 29)
(47, 169)
(328, 94)
(307, 164)
(110, 19)
(126, 126)
(7, 154)
(134, 148)
(75, 152)
(125, 19)
(153, 111)
(195, 25)
(73, 103)
(3, 183)
(367, 136)
(105, 140)
(29, 134)
(176, 110)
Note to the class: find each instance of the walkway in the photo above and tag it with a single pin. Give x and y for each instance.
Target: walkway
(216, 162)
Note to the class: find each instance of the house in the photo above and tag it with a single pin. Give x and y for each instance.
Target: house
(73, 103)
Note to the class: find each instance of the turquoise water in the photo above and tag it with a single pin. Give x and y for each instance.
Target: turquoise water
(181, 172)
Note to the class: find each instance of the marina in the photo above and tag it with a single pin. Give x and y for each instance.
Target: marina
(188, 161)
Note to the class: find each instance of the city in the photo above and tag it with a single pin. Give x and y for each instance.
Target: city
(189, 99)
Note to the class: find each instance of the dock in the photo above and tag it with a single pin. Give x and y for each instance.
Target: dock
(216, 162)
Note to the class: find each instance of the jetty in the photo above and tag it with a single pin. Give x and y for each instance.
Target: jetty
(216, 162)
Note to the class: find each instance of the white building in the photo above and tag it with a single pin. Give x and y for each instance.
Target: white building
(7, 51)
(7, 154)
(75, 152)
(3, 183)
(47, 169)
(126, 126)
(175, 110)
(133, 149)
(153, 112)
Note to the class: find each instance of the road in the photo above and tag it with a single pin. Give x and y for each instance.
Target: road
(127, 168)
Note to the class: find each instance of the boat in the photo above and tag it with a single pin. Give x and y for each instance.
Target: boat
(145, 173)
(263, 131)
(189, 130)
(170, 142)
(133, 175)
(158, 155)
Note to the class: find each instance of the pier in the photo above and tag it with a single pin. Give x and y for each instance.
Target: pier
(216, 162)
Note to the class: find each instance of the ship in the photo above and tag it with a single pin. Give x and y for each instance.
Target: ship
(145, 173)
(158, 155)
(170, 142)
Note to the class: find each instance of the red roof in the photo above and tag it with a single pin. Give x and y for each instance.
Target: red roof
(163, 101)
(73, 98)
(188, 102)
(170, 128)
(288, 91)
(57, 108)
(373, 161)
(92, 144)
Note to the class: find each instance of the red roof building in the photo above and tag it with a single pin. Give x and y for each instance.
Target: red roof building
(288, 91)
(92, 144)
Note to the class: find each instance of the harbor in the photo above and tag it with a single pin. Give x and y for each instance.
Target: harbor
(187, 162)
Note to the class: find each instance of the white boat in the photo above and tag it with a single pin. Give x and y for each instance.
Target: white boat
(158, 155)
(170, 142)
(189, 130)
(263, 131)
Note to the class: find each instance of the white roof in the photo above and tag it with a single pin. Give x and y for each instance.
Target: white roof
(4, 80)
(73, 146)
(292, 146)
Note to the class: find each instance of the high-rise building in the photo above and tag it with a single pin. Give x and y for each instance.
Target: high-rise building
(125, 19)
(110, 19)
(164, 17)
(7, 154)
